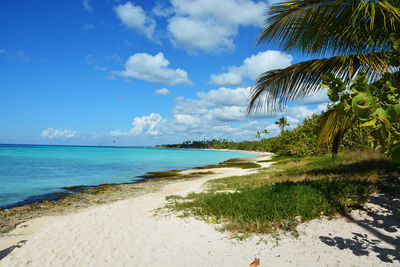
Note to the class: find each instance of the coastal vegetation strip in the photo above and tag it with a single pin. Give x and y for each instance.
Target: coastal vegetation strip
(292, 191)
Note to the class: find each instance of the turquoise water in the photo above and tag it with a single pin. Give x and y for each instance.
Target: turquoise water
(30, 173)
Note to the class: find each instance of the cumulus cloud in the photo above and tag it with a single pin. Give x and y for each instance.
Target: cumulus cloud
(54, 133)
(252, 67)
(135, 18)
(87, 6)
(162, 10)
(210, 26)
(204, 35)
(162, 91)
(317, 97)
(153, 69)
(227, 114)
(218, 113)
(225, 96)
(145, 125)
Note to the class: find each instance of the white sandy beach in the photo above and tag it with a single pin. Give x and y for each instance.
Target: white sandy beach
(126, 233)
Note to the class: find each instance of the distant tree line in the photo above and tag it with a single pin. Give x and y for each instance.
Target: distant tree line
(299, 142)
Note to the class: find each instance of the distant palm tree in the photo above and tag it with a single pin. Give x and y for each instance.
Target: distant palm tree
(282, 123)
(258, 135)
(266, 132)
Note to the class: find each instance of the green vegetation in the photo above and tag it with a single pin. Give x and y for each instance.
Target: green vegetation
(282, 123)
(288, 193)
(355, 32)
(377, 105)
(299, 142)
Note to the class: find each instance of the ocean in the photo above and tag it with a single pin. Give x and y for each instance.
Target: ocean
(30, 173)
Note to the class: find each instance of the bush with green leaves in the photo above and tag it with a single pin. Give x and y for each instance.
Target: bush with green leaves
(376, 105)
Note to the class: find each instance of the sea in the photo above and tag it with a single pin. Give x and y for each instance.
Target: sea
(32, 173)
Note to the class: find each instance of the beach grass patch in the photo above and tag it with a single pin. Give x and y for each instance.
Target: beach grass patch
(272, 207)
(276, 198)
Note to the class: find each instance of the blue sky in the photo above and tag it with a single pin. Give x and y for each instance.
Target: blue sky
(109, 72)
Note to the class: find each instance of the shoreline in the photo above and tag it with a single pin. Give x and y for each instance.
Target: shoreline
(85, 196)
(132, 232)
(76, 189)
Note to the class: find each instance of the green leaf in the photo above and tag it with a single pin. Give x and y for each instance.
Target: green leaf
(362, 105)
(381, 113)
(369, 123)
(394, 113)
(327, 77)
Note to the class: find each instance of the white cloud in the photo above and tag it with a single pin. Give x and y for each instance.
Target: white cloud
(153, 69)
(96, 67)
(225, 96)
(161, 10)
(87, 6)
(114, 57)
(187, 120)
(316, 98)
(87, 27)
(218, 113)
(189, 106)
(252, 67)
(210, 26)
(145, 125)
(204, 35)
(135, 18)
(54, 133)
(162, 91)
(227, 114)
(233, 12)
(17, 56)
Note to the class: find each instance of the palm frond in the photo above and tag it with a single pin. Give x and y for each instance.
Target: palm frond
(273, 89)
(334, 124)
(331, 26)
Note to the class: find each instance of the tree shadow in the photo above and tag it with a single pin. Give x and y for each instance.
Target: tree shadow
(382, 222)
(5, 252)
(366, 166)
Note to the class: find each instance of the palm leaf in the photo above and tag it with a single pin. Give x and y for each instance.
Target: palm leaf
(334, 124)
(332, 26)
(273, 89)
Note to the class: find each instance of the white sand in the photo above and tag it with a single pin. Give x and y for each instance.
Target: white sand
(125, 233)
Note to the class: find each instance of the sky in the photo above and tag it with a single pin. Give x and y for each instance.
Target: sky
(135, 73)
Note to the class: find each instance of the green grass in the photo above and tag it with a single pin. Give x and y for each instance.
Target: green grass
(267, 208)
(269, 200)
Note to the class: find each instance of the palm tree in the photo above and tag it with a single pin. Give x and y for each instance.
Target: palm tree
(356, 32)
(258, 135)
(266, 132)
(282, 123)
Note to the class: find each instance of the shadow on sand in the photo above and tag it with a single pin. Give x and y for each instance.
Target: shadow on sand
(5, 252)
(382, 221)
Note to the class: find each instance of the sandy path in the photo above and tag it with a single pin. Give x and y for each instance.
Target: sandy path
(125, 233)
